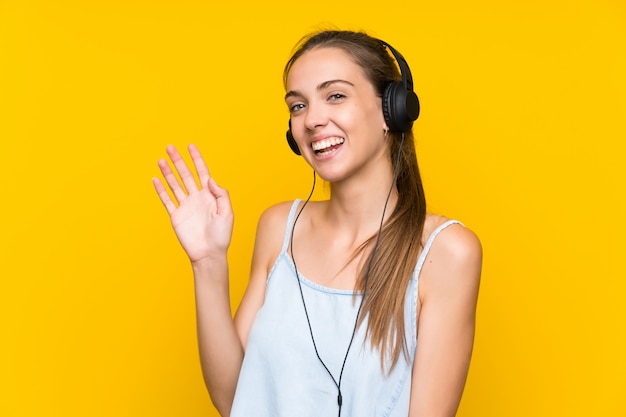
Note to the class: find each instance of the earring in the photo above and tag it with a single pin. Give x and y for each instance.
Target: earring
(386, 131)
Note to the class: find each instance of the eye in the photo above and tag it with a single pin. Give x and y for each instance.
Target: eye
(295, 107)
(336, 97)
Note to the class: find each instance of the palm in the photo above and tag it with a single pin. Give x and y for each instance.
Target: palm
(203, 218)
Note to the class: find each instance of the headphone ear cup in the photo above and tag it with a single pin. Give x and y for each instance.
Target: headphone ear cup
(388, 108)
(292, 141)
(410, 109)
(400, 107)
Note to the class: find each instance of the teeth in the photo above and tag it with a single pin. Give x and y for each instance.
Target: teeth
(326, 143)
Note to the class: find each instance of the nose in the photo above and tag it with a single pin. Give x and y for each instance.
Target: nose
(316, 116)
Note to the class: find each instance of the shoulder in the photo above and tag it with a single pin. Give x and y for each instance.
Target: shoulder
(273, 223)
(276, 214)
(455, 241)
(455, 257)
(270, 233)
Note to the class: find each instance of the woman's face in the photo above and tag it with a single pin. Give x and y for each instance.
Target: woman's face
(336, 115)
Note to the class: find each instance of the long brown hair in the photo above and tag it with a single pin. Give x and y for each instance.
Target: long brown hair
(400, 239)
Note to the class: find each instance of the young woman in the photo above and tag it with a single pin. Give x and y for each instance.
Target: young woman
(360, 305)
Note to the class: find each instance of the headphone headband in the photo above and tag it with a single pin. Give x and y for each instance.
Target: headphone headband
(405, 71)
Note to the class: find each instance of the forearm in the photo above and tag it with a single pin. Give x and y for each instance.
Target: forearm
(221, 351)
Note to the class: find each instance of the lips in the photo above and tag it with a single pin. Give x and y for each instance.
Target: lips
(327, 144)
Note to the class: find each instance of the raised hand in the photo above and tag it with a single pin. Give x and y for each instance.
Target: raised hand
(202, 216)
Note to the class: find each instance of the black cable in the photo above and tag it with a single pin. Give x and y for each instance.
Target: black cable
(367, 272)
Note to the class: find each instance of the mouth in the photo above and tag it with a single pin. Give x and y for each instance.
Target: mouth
(325, 146)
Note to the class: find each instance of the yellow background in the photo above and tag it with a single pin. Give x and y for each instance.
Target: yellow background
(521, 137)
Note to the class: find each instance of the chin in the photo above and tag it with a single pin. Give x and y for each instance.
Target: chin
(331, 176)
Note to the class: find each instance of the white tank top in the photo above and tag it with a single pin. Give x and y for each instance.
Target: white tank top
(281, 375)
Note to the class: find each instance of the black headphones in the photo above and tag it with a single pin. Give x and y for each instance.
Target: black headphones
(400, 104)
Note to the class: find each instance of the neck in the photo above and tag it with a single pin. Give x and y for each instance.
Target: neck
(358, 205)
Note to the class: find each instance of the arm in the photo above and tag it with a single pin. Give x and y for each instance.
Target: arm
(202, 218)
(448, 291)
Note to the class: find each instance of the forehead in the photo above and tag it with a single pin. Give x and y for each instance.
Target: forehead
(322, 64)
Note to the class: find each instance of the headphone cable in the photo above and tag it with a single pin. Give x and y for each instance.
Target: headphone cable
(367, 272)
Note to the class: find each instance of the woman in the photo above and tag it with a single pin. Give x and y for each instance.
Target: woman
(362, 304)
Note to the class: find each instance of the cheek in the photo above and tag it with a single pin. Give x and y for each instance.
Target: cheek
(376, 115)
(351, 117)
(367, 120)
(372, 109)
(297, 127)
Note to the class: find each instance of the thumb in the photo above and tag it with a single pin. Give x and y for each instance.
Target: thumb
(221, 195)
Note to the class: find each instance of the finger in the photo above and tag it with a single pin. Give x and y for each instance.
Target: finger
(198, 161)
(222, 199)
(189, 182)
(163, 195)
(171, 180)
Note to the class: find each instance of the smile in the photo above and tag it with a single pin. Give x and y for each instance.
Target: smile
(327, 144)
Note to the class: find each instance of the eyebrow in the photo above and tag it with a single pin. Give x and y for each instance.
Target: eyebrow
(320, 87)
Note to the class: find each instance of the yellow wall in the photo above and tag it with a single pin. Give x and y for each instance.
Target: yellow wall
(521, 137)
